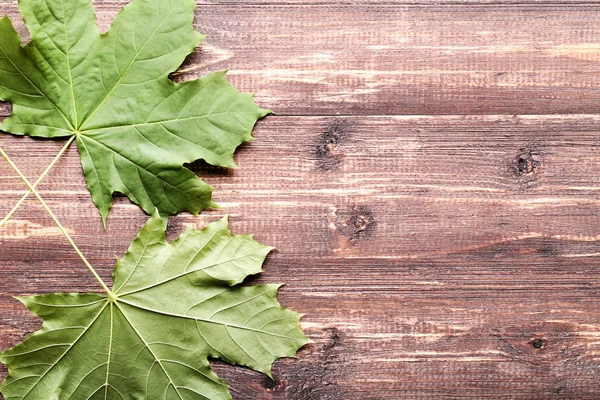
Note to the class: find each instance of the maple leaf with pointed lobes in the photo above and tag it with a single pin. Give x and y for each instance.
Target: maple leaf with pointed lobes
(172, 307)
(134, 127)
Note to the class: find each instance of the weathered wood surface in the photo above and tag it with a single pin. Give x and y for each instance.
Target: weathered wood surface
(431, 183)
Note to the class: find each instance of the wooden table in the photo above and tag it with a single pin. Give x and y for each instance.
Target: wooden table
(431, 180)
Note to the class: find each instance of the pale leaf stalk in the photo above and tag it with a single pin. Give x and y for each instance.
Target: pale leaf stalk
(57, 222)
(36, 183)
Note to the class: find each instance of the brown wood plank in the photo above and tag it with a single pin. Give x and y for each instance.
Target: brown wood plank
(337, 58)
(442, 256)
(435, 255)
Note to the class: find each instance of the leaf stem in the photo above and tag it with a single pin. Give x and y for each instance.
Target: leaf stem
(57, 222)
(40, 179)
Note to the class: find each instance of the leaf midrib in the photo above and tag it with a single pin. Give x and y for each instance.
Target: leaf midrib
(138, 165)
(129, 303)
(163, 121)
(184, 273)
(133, 60)
(158, 360)
(110, 340)
(67, 49)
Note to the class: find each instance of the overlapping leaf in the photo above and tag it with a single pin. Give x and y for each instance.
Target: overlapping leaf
(135, 128)
(172, 307)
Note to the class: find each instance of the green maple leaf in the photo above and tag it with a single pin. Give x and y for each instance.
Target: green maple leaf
(134, 127)
(172, 307)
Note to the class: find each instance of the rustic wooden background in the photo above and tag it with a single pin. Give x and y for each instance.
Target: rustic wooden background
(431, 181)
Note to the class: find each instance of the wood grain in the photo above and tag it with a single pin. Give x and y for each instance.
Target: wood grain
(430, 182)
(385, 59)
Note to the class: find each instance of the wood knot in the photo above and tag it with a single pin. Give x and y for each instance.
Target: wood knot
(526, 163)
(526, 167)
(537, 343)
(357, 223)
(334, 337)
(326, 149)
(269, 383)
